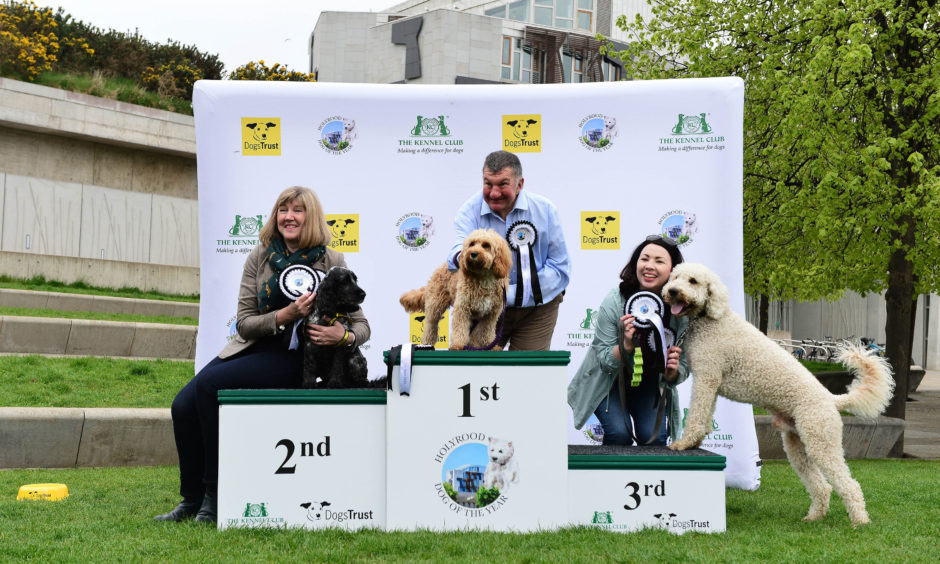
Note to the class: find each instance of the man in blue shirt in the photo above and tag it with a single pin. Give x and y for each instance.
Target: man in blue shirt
(529, 321)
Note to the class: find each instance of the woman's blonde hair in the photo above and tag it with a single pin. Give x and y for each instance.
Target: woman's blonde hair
(314, 231)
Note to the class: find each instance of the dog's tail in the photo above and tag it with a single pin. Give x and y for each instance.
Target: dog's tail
(413, 300)
(869, 394)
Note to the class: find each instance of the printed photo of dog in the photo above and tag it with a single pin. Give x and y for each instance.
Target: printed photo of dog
(337, 295)
(502, 469)
(338, 226)
(599, 224)
(476, 291)
(729, 357)
(427, 227)
(520, 128)
(259, 131)
(610, 128)
(349, 133)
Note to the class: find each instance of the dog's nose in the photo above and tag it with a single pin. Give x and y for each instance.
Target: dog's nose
(474, 255)
(673, 292)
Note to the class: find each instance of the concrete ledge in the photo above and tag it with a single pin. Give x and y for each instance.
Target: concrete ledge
(102, 304)
(861, 438)
(40, 335)
(182, 280)
(73, 437)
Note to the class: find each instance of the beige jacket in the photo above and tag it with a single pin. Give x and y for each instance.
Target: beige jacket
(252, 325)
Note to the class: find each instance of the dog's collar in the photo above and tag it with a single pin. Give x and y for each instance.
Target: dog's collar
(335, 317)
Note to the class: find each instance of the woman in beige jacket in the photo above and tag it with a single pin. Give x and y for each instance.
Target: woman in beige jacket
(265, 351)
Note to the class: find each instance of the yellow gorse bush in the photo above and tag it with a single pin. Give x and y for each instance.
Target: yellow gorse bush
(259, 71)
(28, 42)
(175, 78)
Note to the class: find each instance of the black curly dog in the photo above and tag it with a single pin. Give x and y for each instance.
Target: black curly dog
(337, 296)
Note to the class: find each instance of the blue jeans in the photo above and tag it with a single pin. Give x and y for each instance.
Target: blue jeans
(195, 411)
(639, 407)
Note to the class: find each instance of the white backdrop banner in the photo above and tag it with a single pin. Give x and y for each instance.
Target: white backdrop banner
(393, 163)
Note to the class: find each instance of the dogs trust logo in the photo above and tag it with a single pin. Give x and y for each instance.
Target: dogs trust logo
(416, 329)
(261, 136)
(522, 133)
(598, 132)
(600, 230)
(415, 231)
(338, 134)
(345, 232)
(678, 225)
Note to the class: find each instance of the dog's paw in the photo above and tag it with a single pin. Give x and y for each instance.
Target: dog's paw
(681, 444)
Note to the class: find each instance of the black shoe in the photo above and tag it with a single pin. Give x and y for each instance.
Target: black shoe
(207, 513)
(185, 510)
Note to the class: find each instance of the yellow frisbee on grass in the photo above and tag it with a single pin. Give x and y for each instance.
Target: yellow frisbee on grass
(48, 492)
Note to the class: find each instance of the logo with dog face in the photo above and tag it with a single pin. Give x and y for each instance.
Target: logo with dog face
(522, 133)
(600, 230)
(315, 509)
(430, 126)
(261, 136)
(338, 134)
(481, 471)
(416, 330)
(691, 124)
(246, 226)
(679, 225)
(415, 231)
(598, 132)
(345, 231)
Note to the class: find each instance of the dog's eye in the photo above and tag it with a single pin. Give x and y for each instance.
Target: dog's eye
(693, 281)
(486, 245)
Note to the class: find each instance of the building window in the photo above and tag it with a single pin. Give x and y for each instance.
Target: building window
(507, 50)
(568, 14)
(584, 20)
(521, 63)
(497, 12)
(519, 11)
(611, 71)
(573, 66)
(543, 12)
(564, 13)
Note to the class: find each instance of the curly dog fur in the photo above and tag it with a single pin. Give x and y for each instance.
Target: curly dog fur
(729, 356)
(337, 295)
(476, 290)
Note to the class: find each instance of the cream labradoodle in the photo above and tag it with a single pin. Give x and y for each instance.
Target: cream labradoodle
(476, 290)
(729, 356)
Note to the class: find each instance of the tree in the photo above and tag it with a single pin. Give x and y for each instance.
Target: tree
(842, 141)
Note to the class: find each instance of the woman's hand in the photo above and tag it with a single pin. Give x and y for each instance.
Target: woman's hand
(672, 364)
(329, 335)
(628, 331)
(298, 309)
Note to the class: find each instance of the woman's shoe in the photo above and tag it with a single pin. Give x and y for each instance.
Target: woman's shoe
(207, 512)
(187, 508)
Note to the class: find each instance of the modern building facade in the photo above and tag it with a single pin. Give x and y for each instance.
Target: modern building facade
(466, 42)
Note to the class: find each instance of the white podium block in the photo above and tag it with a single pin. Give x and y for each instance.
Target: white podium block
(631, 488)
(302, 458)
(480, 442)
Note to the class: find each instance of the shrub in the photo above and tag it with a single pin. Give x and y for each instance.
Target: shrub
(260, 71)
(28, 41)
(172, 79)
(486, 496)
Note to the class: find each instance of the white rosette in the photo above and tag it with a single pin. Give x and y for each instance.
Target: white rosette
(295, 281)
(522, 236)
(647, 310)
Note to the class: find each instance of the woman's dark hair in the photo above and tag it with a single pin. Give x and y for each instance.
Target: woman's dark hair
(629, 285)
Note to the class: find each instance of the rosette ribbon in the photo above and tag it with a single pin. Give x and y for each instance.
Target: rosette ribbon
(522, 236)
(295, 281)
(647, 310)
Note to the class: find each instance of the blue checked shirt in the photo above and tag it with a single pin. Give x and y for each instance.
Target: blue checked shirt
(551, 253)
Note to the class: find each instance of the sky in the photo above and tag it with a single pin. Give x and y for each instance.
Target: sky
(237, 31)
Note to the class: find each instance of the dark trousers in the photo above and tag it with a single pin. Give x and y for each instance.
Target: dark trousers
(641, 416)
(530, 328)
(195, 411)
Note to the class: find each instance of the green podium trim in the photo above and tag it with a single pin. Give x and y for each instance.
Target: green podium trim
(487, 358)
(647, 462)
(254, 397)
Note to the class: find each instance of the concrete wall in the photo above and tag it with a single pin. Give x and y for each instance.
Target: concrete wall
(83, 177)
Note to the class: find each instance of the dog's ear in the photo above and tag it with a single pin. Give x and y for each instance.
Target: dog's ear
(657, 515)
(512, 123)
(718, 296)
(531, 121)
(271, 124)
(611, 218)
(348, 221)
(251, 125)
(590, 219)
(330, 222)
(502, 257)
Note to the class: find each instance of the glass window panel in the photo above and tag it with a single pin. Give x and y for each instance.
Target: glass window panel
(544, 2)
(519, 11)
(563, 23)
(564, 8)
(586, 4)
(506, 73)
(526, 76)
(497, 12)
(515, 67)
(566, 66)
(526, 60)
(543, 16)
(584, 20)
(507, 50)
(577, 65)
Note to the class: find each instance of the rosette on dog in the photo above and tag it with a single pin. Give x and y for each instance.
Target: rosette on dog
(647, 310)
(522, 236)
(298, 279)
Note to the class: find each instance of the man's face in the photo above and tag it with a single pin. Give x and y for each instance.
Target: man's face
(500, 190)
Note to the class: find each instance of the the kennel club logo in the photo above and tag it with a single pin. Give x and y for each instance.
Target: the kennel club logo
(598, 132)
(246, 226)
(679, 225)
(255, 514)
(478, 473)
(430, 135)
(345, 231)
(261, 136)
(692, 132)
(242, 236)
(522, 133)
(600, 230)
(584, 334)
(415, 231)
(338, 134)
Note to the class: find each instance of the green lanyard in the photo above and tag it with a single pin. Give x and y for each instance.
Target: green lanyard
(637, 367)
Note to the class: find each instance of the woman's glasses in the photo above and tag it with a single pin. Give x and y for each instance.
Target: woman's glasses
(660, 238)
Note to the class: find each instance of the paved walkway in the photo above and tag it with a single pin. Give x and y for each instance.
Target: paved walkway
(922, 437)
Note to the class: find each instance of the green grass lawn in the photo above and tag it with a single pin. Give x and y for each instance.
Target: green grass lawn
(96, 315)
(108, 518)
(40, 284)
(37, 381)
